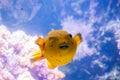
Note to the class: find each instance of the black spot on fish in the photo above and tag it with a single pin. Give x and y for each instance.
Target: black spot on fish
(57, 60)
(52, 41)
(51, 56)
(51, 46)
(72, 43)
(60, 55)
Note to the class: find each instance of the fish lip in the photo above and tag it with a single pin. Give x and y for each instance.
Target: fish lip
(63, 46)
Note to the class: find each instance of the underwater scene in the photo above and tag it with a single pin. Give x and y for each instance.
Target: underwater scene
(59, 39)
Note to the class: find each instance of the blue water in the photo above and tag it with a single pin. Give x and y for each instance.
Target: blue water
(41, 16)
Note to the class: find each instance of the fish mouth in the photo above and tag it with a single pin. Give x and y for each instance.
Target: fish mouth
(64, 46)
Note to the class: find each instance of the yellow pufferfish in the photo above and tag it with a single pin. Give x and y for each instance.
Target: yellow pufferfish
(59, 48)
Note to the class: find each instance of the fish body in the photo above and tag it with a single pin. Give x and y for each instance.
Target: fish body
(58, 47)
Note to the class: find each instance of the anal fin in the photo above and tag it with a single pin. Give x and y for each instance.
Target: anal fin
(50, 65)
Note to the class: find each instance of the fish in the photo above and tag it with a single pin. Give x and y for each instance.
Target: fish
(58, 48)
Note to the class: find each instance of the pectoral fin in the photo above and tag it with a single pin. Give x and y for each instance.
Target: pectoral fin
(40, 41)
(37, 56)
(78, 38)
(50, 65)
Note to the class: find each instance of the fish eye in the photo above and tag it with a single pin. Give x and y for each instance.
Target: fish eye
(70, 35)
